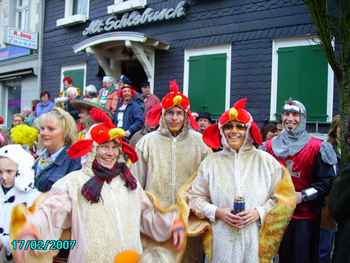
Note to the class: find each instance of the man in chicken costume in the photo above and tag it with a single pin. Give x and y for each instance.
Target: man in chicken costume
(251, 230)
(102, 204)
(170, 156)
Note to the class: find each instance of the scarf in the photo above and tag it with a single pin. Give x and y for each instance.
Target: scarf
(91, 190)
(289, 143)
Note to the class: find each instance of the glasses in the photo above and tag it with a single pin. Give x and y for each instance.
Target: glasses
(238, 126)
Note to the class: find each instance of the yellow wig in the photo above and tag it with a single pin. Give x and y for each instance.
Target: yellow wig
(24, 135)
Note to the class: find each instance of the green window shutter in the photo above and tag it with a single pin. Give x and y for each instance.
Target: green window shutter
(302, 75)
(207, 83)
(77, 76)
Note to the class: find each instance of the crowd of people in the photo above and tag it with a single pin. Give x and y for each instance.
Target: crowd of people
(132, 178)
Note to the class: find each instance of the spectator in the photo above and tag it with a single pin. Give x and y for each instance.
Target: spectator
(16, 187)
(89, 114)
(68, 85)
(3, 134)
(269, 131)
(90, 93)
(57, 132)
(148, 98)
(107, 88)
(204, 121)
(45, 104)
(128, 115)
(328, 226)
(17, 119)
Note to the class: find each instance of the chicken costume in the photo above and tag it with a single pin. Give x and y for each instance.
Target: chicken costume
(105, 215)
(166, 162)
(249, 173)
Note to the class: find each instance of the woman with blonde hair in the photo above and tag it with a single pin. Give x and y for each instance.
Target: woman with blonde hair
(57, 132)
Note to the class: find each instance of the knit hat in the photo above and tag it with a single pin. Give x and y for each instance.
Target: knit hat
(108, 79)
(204, 115)
(212, 135)
(173, 98)
(24, 180)
(124, 80)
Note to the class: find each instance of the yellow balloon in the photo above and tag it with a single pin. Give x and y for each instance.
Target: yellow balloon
(127, 256)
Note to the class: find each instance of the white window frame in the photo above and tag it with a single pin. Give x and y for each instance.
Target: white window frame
(295, 42)
(24, 10)
(70, 18)
(74, 67)
(210, 51)
(121, 6)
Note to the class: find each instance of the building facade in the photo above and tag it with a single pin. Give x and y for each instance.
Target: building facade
(217, 50)
(20, 24)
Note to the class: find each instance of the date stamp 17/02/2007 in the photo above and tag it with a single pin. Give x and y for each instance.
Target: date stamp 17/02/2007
(42, 245)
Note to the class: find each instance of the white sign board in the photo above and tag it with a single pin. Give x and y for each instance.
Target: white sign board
(22, 39)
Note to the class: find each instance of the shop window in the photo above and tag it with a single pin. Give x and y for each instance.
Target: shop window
(76, 11)
(22, 15)
(207, 79)
(300, 71)
(78, 75)
(120, 6)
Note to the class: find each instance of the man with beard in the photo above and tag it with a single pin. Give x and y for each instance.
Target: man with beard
(310, 162)
(169, 156)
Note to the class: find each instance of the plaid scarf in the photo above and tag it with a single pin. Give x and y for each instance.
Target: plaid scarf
(91, 190)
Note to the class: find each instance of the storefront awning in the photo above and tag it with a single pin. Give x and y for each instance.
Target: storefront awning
(112, 48)
(119, 38)
(16, 74)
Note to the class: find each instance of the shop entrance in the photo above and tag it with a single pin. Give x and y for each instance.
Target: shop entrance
(135, 72)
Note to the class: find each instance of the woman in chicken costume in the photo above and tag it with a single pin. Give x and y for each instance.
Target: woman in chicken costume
(243, 173)
(102, 204)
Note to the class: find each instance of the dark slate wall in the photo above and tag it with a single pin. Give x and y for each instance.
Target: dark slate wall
(248, 25)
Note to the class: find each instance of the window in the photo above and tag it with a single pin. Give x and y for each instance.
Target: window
(120, 6)
(76, 11)
(22, 15)
(208, 71)
(300, 71)
(78, 75)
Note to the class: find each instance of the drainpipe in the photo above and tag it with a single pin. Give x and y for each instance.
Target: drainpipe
(41, 41)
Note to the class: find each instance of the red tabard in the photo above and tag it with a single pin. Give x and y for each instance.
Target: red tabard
(301, 167)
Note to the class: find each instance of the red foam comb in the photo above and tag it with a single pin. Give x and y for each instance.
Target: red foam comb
(98, 115)
(173, 87)
(241, 103)
(129, 151)
(80, 148)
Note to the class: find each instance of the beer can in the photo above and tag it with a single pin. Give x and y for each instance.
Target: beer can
(238, 205)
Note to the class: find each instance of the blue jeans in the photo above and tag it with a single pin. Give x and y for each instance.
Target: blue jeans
(326, 245)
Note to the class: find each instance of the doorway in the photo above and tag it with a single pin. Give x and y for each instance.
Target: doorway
(135, 72)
